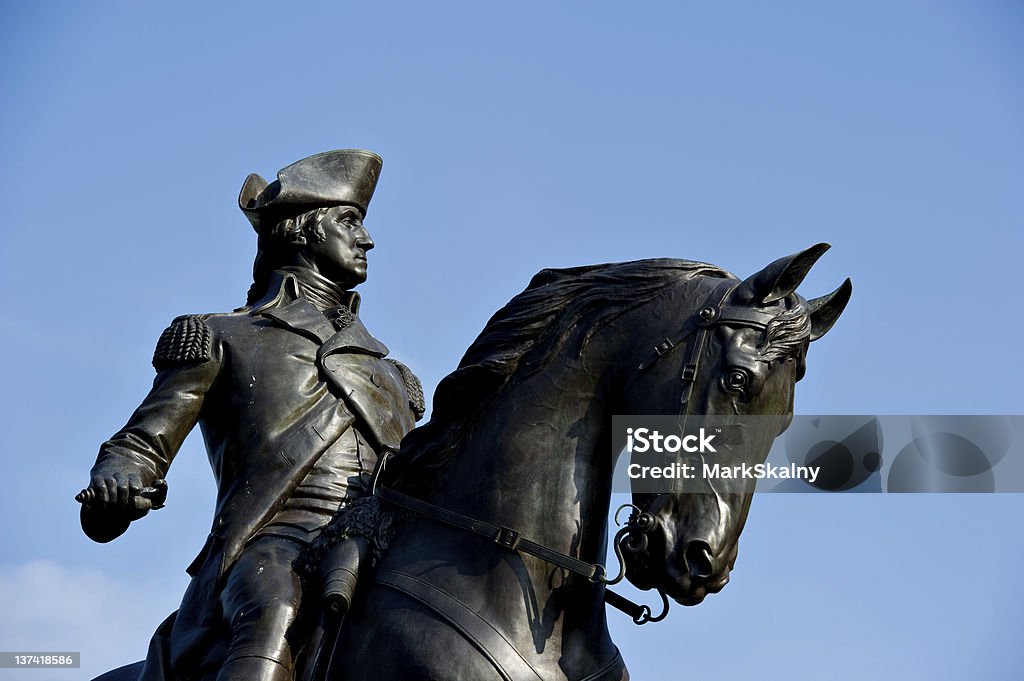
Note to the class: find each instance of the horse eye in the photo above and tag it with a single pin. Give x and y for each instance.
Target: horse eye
(736, 380)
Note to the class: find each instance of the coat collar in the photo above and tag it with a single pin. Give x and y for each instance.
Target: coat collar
(284, 305)
(302, 317)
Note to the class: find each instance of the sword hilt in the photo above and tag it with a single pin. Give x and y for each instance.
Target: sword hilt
(156, 494)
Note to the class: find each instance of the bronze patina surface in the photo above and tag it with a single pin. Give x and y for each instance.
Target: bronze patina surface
(478, 549)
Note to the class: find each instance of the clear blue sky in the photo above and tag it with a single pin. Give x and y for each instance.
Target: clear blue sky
(515, 137)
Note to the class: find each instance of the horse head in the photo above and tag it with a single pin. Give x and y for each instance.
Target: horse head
(732, 354)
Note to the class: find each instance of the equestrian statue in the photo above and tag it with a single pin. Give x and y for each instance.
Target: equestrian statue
(348, 546)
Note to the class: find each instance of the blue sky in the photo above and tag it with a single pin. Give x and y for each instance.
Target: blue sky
(517, 137)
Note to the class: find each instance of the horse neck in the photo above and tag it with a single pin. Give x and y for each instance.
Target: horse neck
(543, 467)
(540, 462)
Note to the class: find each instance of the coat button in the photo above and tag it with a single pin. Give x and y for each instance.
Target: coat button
(375, 379)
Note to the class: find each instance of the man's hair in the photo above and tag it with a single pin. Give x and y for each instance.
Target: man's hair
(294, 231)
(281, 240)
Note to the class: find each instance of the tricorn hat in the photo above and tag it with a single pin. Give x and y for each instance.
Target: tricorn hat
(333, 178)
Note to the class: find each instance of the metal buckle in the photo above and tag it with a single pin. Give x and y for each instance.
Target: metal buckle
(507, 538)
(689, 372)
(687, 392)
(663, 347)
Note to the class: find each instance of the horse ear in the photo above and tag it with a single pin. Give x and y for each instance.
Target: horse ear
(825, 311)
(778, 280)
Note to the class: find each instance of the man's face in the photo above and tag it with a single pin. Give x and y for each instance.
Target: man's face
(341, 256)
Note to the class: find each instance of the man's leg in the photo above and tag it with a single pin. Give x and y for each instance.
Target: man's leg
(260, 602)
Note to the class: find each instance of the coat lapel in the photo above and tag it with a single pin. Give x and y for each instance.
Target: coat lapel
(302, 317)
(353, 338)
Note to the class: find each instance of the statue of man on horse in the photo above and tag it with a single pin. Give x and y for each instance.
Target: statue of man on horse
(487, 532)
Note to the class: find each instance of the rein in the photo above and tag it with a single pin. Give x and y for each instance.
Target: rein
(505, 537)
(513, 541)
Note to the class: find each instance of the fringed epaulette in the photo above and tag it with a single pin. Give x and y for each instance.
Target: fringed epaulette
(186, 341)
(413, 387)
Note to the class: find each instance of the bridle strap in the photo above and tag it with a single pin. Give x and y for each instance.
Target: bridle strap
(514, 541)
(705, 318)
(695, 332)
(712, 313)
(504, 537)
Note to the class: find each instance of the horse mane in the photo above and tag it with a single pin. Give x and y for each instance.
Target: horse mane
(558, 307)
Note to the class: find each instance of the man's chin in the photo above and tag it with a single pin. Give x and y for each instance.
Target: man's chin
(351, 279)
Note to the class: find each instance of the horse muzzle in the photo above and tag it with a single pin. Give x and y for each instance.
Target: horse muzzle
(687, 574)
(697, 573)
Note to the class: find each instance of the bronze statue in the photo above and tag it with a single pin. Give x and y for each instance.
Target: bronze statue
(296, 401)
(478, 548)
(501, 499)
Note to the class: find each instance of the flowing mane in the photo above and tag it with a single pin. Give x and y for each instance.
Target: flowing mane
(558, 307)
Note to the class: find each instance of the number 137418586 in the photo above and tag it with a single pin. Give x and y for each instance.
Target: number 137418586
(9, 660)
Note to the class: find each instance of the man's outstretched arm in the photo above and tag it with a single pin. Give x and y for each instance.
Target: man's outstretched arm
(126, 479)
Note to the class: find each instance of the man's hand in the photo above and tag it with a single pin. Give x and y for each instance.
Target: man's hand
(120, 491)
(115, 499)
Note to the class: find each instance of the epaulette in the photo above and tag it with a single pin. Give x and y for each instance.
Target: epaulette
(186, 341)
(413, 387)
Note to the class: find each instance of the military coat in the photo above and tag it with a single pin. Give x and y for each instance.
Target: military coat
(272, 387)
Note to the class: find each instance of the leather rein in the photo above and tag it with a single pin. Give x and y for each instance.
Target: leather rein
(631, 537)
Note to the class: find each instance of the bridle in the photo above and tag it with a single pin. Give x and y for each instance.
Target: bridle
(694, 335)
(632, 536)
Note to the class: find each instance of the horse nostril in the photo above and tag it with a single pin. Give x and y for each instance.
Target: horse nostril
(699, 560)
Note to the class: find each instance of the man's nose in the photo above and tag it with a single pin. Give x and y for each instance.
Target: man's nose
(364, 241)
